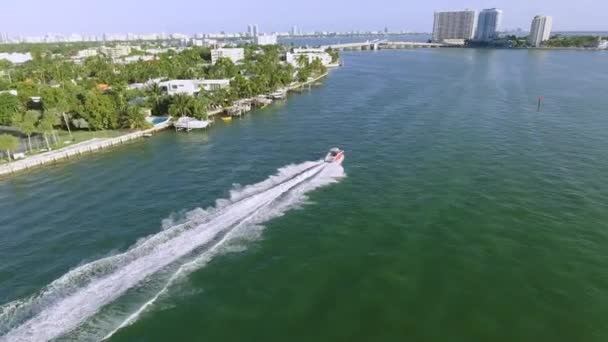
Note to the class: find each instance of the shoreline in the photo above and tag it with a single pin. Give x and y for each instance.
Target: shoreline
(98, 144)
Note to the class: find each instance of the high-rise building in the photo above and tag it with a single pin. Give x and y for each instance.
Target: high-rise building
(488, 24)
(252, 30)
(540, 30)
(294, 31)
(456, 25)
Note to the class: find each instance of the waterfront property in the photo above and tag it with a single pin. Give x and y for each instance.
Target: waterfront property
(540, 30)
(192, 87)
(454, 26)
(234, 54)
(310, 54)
(488, 25)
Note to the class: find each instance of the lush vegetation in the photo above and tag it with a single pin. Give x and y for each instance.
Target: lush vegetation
(8, 143)
(572, 41)
(517, 42)
(93, 95)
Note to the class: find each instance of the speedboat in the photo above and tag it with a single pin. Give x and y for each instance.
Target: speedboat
(335, 155)
(188, 123)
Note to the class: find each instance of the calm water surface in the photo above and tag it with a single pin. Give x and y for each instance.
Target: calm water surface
(464, 215)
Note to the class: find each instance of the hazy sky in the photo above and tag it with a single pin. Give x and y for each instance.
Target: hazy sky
(30, 17)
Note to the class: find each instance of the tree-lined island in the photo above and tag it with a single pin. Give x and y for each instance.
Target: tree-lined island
(58, 91)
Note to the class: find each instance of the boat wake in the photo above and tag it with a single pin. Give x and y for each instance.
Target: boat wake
(82, 301)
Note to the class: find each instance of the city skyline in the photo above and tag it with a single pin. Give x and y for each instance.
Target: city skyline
(189, 16)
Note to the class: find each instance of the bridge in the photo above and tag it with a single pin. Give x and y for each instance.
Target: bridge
(380, 44)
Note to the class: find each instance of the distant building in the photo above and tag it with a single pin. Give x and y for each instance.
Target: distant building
(311, 54)
(252, 30)
(134, 59)
(294, 31)
(16, 58)
(86, 53)
(266, 39)
(234, 54)
(205, 42)
(488, 24)
(540, 30)
(115, 52)
(457, 25)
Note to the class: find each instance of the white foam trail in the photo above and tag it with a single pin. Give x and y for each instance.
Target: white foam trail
(81, 293)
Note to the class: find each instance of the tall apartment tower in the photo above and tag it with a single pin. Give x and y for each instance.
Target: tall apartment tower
(252, 30)
(488, 24)
(454, 25)
(540, 30)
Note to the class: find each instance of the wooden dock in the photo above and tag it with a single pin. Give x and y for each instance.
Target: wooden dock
(88, 146)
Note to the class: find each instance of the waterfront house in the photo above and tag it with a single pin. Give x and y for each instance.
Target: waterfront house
(312, 54)
(192, 87)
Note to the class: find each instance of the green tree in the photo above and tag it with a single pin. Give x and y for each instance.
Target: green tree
(302, 61)
(156, 98)
(8, 143)
(135, 118)
(9, 106)
(198, 107)
(180, 106)
(27, 124)
(222, 69)
(46, 126)
(54, 117)
(242, 86)
(335, 56)
(99, 110)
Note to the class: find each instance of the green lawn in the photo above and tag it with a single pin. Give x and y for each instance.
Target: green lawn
(80, 136)
(65, 139)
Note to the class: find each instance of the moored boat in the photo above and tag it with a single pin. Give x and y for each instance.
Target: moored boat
(188, 123)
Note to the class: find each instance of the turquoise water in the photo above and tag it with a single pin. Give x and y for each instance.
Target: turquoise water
(462, 214)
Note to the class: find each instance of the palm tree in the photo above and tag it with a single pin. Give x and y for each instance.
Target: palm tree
(198, 107)
(181, 106)
(135, 118)
(27, 124)
(302, 60)
(156, 96)
(46, 126)
(53, 115)
(8, 143)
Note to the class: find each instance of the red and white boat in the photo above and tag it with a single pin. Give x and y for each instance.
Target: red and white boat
(335, 155)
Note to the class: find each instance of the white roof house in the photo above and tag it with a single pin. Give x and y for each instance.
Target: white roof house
(234, 54)
(16, 58)
(293, 57)
(192, 87)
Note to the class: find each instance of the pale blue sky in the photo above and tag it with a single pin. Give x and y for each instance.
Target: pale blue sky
(29, 17)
